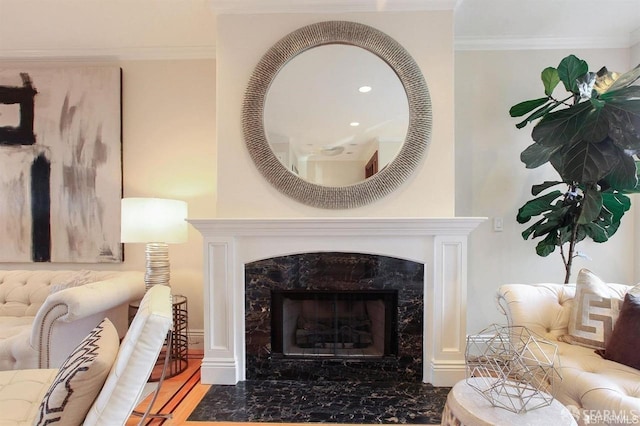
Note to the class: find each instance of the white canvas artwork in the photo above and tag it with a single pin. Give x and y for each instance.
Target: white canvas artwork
(60, 164)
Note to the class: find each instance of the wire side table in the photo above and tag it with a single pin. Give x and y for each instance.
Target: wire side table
(176, 348)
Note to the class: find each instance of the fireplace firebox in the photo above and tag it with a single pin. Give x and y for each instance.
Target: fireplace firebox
(325, 324)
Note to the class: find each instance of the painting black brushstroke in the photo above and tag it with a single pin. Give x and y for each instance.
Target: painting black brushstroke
(60, 164)
(22, 134)
(41, 209)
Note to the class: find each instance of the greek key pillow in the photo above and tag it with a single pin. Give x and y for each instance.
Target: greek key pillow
(595, 310)
(80, 378)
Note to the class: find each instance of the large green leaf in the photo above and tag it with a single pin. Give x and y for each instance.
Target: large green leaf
(596, 232)
(624, 122)
(547, 245)
(536, 155)
(537, 206)
(570, 69)
(591, 206)
(616, 203)
(530, 230)
(562, 212)
(549, 225)
(536, 189)
(625, 175)
(540, 112)
(561, 127)
(525, 107)
(550, 79)
(636, 189)
(596, 125)
(589, 162)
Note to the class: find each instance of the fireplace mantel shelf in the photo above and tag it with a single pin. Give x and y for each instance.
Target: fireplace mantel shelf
(355, 225)
(438, 243)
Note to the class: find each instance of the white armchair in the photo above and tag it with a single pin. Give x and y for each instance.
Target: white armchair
(39, 328)
(101, 381)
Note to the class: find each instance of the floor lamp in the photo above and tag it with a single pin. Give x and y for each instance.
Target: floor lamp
(156, 222)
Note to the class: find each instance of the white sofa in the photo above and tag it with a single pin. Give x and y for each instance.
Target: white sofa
(596, 390)
(39, 328)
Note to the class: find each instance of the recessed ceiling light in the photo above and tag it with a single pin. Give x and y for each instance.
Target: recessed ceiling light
(354, 124)
(364, 89)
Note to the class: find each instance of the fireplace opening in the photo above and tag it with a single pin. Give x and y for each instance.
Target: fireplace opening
(334, 324)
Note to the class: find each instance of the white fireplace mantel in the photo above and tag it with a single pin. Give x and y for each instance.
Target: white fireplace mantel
(439, 243)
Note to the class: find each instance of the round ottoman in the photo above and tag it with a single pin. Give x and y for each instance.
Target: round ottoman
(466, 406)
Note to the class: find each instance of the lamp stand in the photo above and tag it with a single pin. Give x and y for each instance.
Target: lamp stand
(157, 256)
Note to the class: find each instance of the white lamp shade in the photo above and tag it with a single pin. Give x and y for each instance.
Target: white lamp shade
(156, 220)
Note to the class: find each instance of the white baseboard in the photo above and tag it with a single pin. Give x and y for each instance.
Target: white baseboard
(196, 338)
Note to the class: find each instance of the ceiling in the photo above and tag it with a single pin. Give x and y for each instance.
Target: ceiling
(163, 29)
(492, 23)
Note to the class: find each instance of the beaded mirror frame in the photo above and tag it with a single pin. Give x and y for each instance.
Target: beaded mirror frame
(386, 180)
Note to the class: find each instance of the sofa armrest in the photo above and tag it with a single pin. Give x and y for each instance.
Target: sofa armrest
(68, 315)
(542, 308)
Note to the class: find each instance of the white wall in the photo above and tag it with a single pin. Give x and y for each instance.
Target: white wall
(491, 181)
(168, 152)
(243, 39)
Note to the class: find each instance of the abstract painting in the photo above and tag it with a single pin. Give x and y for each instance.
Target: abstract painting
(60, 164)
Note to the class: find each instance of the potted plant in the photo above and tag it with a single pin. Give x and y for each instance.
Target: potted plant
(591, 137)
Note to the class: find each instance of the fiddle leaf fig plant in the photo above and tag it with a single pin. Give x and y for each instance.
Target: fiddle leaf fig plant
(591, 136)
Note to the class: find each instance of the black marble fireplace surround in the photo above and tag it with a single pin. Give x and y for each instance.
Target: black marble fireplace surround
(334, 271)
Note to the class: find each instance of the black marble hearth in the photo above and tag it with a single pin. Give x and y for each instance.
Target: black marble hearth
(285, 401)
(332, 271)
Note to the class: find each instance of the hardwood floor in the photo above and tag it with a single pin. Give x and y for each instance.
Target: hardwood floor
(178, 396)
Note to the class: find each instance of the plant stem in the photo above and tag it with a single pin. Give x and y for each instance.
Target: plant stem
(568, 260)
(572, 246)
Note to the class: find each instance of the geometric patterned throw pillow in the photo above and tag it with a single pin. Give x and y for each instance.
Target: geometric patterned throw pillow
(595, 310)
(80, 378)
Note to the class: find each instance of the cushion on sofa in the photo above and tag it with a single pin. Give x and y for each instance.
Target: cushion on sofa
(15, 350)
(80, 378)
(624, 344)
(594, 312)
(77, 279)
(20, 394)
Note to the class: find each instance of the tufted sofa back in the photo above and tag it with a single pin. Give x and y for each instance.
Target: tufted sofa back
(542, 308)
(23, 292)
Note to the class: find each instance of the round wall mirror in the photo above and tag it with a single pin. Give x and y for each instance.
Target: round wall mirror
(337, 115)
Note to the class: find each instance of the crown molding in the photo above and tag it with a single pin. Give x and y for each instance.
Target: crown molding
(222, 7)
(111, 54)
(462, 43)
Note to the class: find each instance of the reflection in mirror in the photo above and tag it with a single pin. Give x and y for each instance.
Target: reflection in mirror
(336, 114)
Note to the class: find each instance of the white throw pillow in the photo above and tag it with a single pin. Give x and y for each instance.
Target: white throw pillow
(594, 312)
(80, 378)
